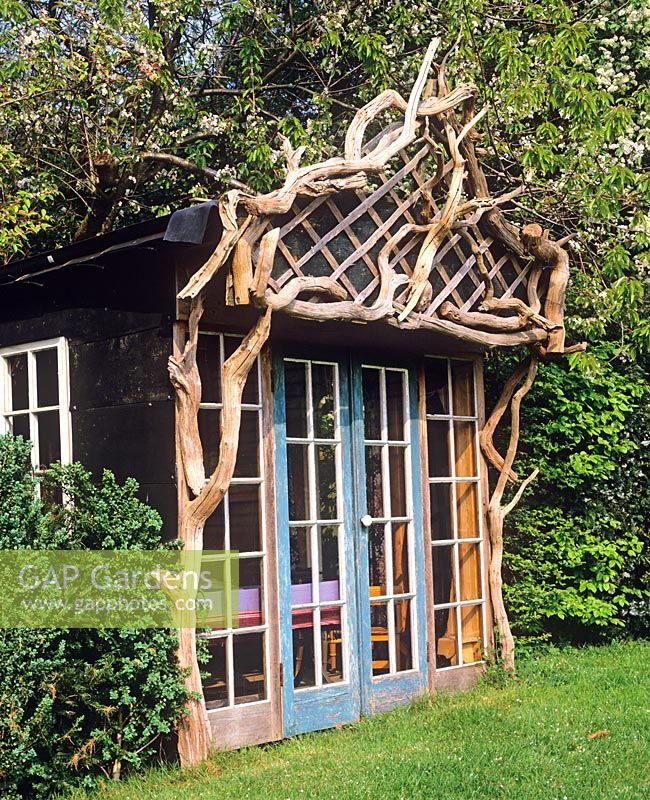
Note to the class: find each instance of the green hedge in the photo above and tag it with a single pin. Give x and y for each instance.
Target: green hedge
(577, 549)
(78, 706)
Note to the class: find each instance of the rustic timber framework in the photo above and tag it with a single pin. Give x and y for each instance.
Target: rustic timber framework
(403, 229)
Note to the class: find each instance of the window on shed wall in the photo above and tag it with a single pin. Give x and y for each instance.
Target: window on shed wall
(237, 667)
(34, 397)
(455, 503)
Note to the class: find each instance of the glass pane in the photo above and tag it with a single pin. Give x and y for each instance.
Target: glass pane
(210, 433)
(329, 562)
(331, 645)
(371, 404)
(467, 510)
(443, 570)
(435, 382)
(208, 361)
(20, 425)
(379, 638)
(248, 657)
(297, 461)
(441, 523)
(247, 465)
(377, 560)
(403, 648)
(244, 510)
(438, 449)
(469, 564)
(49, 440)
(215, 687)
(300, 566)
(250, 593)
(214, 532)
(295, 398)
(463, 380)
(303, 649)
(396, 458)
(400, 558)
(47, 381)
(251, 391)
(374, 496)
(470, 620)
(322, 382)
(395, 404)
(326, 481)
(17, 366)
(465, 444)
(446, 638)
(220, 603)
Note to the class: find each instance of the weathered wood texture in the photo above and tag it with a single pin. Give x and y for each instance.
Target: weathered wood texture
(199, 495)
(124, 425)
(510, 399)
(400, 228)
(391, 230)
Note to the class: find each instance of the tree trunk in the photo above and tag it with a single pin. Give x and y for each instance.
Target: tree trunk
(194, 735)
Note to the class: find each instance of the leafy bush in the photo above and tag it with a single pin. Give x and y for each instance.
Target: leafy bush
(78, 705)
(577, 551)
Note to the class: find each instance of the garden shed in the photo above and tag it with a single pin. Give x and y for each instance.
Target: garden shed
(340, 449)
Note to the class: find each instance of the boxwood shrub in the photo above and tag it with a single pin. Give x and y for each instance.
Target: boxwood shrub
(79, 706)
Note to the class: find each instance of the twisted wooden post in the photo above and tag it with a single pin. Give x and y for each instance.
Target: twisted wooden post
(497, 512)
(194, 736)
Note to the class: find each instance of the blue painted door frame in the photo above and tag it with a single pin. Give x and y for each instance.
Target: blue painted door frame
(382, 692)
(316, 708)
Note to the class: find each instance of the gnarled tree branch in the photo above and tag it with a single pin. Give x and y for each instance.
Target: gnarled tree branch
(194, 736)
(496, 510)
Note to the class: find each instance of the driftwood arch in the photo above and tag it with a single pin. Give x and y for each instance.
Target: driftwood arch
(419, 186)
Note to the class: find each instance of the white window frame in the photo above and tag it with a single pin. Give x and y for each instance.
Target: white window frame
(228, 634)
(455, 541)
(314, 523)
(30, 349)
(390, 598)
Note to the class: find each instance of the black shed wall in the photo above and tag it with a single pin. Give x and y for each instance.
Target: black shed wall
(117, 314)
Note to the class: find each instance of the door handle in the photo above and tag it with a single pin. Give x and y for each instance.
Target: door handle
(366, 520)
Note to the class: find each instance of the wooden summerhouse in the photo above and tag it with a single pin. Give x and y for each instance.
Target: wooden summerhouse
(325, 409)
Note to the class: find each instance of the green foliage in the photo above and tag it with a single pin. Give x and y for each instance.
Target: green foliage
(79, 705)
(577, 547)
(23, 214)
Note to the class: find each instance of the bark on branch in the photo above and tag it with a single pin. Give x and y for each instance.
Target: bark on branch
(184, 375)
(496, 510)
(194, 735)
(170, 160)
(548, 252)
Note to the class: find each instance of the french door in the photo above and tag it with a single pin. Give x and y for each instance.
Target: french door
(349, 540)
(390, 574)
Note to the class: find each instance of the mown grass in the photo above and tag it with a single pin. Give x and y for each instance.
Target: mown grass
(528, 740)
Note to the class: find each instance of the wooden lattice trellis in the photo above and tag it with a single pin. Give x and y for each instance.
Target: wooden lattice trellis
(402, 229)
(394, 230)
(340, 237)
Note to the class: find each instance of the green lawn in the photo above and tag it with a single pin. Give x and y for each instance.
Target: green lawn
(527, 740)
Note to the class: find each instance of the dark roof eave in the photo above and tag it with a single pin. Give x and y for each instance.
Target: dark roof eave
(85, 250)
